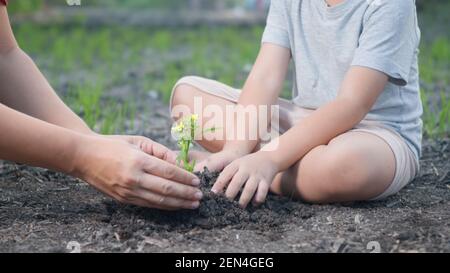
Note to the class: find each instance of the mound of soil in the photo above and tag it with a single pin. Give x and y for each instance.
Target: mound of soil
(215, 211)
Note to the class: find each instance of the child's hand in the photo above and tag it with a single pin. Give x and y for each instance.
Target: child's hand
(218, 161)
(254, 172)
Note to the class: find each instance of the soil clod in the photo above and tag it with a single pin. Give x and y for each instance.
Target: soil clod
(215, 211)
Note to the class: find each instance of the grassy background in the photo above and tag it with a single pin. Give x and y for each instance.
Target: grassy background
(87, 65)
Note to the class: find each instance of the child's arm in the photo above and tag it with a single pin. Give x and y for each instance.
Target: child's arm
(262, 88)
(358, 93)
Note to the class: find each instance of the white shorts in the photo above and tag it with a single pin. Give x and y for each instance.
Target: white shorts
(407, 165)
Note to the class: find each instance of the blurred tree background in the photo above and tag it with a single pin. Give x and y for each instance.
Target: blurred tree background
(105, 55)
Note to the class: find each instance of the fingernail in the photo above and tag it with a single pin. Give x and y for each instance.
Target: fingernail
(214, 191)
(196, 182)
(195, 205)
(198, 195)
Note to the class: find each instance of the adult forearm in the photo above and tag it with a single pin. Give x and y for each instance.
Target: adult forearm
(28, 140)
(317, 129)
(26, 90)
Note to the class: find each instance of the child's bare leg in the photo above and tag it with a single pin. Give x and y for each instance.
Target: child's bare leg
(353, 166)
(184, 95)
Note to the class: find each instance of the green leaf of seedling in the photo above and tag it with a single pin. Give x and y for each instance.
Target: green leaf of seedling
(193, 163)
(211, 130)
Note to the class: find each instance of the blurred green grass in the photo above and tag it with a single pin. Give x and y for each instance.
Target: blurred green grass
(89, 62)
(85, 64)
(435, 87)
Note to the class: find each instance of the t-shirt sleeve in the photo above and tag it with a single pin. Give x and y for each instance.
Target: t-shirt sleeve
(389, 39)
(4, 2)
(276, 31)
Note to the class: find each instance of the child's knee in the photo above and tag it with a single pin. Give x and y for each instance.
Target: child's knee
(181, 94)
(181, 99)
(313, 176)
(183, 91)
(331, 177)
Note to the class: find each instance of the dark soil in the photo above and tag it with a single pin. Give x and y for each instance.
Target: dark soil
(215, 211)
(42, 211)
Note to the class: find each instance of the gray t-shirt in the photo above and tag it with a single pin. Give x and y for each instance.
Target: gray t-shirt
(325, 41)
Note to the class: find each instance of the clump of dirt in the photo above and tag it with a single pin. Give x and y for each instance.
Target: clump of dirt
(215, 211)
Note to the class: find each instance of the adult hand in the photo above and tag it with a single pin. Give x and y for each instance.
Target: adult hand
(136, 170)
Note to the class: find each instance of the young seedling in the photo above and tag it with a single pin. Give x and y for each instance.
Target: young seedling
(185, 132)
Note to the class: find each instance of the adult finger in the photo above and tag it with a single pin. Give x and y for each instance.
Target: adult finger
(224, 178)
(144, 203)
(163, 169)
(158, 150)
(165, 202)
(249, 191)
(169, 188)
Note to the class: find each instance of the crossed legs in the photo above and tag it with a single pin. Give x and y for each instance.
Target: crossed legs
(353, 166)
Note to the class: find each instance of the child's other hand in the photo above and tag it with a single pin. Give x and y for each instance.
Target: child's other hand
(218, 161)
(254, 172)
